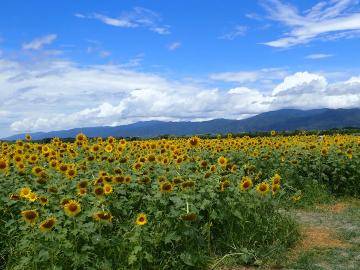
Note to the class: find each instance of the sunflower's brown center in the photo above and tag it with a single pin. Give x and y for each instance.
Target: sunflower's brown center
(2, 165)
(30, 215)
(72, 207)
(48, 224)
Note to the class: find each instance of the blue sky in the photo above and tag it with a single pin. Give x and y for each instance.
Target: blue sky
(66, 64)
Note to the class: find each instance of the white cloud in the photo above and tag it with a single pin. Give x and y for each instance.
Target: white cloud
(250, 75)
(326, 20)
(39, 43)
(173, 46)
(137, 17)
(238, 31)
(301, 82)
(60, 95)
(318, 56)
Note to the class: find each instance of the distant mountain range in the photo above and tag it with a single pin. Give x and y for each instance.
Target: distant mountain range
(281, 120)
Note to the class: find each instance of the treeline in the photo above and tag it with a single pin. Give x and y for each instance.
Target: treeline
(347, 130)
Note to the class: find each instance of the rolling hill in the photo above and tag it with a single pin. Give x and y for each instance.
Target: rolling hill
(281, 120)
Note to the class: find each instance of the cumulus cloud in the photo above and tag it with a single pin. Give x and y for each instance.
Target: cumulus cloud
(326, 20)
(61, 94)
(137, 17)
(40, 42)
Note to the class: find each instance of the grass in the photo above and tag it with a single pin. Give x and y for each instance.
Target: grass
(330, 239)
(331, 233)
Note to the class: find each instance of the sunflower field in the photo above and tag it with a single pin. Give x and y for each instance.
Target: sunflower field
(163, 203)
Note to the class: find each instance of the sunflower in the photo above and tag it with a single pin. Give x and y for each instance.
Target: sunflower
(28, 137)
(141, 219)
(275, 180)
(72, 208)
(194, 141)
(263, 188)
(82, 191)
(81, 137)
(30, 216)
(37, 170)
(103, 216)
(71, 173)
(189, 217)
(32, 197)
(3, 165)
(275, 188)
(108, 189)
(166, 187)
(109, 148)
(99, 191)
(43, 200)
(273, 133)
(47, 224)
(25, 192)
(246, 183)
(222, 161)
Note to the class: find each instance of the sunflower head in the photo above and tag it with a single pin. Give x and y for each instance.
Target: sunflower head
(25, 192)
(222, 161)
(32, 197)
(141, 219)
(72, 208)
(47, 224)
(263, 188)
(99, 191)
(246, 183)
(4, 166)
(194, 141)
(103, 216)
(189, 217)
(166, 187)
(30, 216)
(108, 189)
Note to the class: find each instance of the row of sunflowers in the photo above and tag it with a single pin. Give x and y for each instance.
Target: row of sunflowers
(164, 203)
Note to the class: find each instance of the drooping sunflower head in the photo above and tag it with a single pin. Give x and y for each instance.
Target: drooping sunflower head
(47, 224)
(275, 188)
(103, 216)
(276, 179)
(263, 188)
(141, 219)
(30, 216)
(189, 217)
(246, 183)
(72, 208)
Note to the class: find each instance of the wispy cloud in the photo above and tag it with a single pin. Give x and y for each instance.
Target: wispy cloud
(250, 75)
(238, 31)
(326, 20)
(318, 56)
(40, 42)
(174, 46)
(138, 17)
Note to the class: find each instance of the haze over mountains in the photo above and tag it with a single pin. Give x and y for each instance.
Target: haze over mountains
(281, 120)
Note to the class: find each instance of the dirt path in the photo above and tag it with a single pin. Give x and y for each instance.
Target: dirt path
(331, 237)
